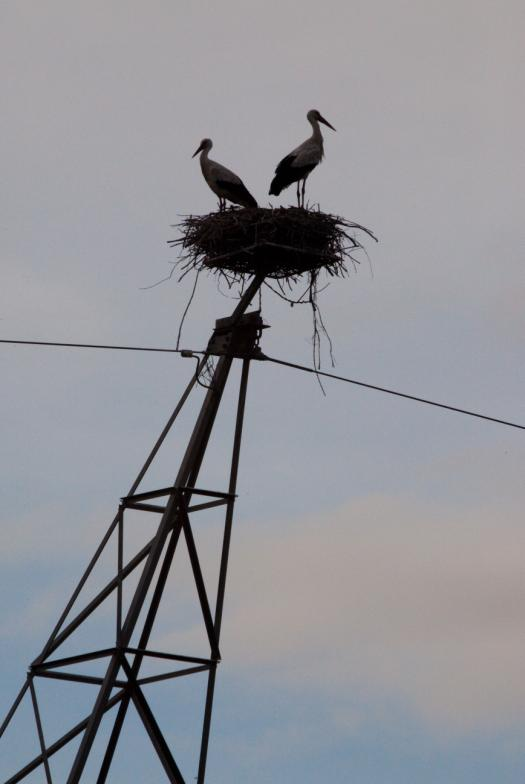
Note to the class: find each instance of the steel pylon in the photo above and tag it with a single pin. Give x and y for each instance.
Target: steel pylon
(234, 337)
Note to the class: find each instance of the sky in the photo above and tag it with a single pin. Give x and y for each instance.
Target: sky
(373, 627)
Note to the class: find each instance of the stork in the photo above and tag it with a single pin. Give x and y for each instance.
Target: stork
(298, 164)
(223, 182)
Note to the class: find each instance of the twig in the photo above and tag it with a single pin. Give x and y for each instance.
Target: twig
(187, 307)
(174, 263)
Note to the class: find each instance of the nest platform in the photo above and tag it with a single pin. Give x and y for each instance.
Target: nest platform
(282, 243)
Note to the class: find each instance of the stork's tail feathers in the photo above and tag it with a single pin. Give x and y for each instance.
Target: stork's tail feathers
(237, 192)
(249, 200)
(276, 186)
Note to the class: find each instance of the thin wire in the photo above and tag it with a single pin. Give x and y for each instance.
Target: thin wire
(393, 392)
(95, 345)
(286, 364)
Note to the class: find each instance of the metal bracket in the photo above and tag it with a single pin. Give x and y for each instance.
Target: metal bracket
(237, 338)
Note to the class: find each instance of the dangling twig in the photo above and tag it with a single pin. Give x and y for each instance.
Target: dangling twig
(187, 308)
(163, 280)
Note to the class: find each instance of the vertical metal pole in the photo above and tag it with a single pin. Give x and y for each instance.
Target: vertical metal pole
(40, 731)
(223, 568)
(206, 725)
(232, 489)
(120, 554)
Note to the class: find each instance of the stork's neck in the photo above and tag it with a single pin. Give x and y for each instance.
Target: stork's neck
(316, 136)
(204, 160)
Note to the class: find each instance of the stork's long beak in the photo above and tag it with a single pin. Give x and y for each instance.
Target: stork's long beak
(322, 119)
(197, 151)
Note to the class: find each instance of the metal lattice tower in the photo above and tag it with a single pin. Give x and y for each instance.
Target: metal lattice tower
(122, 684)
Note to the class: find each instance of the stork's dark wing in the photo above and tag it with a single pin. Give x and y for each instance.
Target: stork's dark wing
(286, 163)
(237, 192)
(286, 173)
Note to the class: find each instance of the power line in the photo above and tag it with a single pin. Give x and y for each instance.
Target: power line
(394, 392)
(94, 345)
(293, 365)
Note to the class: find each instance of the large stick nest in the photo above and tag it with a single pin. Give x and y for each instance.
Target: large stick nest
(283, 243)
(290, 245)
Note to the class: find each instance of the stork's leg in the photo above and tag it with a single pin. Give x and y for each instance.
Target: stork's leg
(298, 193)
(222, 204)
(304, 188)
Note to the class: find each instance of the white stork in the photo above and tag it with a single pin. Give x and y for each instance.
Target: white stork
(223, 182)
(300, 162)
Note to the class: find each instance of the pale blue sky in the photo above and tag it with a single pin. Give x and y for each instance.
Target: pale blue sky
(373, 627)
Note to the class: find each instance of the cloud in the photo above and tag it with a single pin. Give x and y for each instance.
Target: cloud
(382, 600)
(34, 615)
(48, 534)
